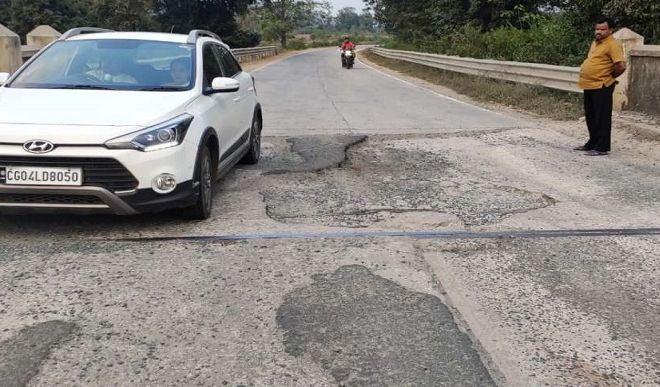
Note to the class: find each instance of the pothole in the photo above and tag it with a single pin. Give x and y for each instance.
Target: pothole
(377, 183)
(21, 356)
(307, 154)
(366, 330)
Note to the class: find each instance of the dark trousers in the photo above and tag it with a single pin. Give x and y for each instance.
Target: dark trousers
(598, 112)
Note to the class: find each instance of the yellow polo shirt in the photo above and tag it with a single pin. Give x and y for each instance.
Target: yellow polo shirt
(596, 71)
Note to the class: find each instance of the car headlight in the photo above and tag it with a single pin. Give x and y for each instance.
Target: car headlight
(162, 136)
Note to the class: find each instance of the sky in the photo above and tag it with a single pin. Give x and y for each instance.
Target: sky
(339, 4)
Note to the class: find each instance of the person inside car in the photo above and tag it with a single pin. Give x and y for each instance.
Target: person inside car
(113, 70)
(180, 72)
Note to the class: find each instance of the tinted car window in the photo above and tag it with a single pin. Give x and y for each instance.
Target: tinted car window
(212, 67)
(229, 64)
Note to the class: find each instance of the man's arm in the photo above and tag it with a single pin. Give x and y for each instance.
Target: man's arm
(619, 68)
(618, 58)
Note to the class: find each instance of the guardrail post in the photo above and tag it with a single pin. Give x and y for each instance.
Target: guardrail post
(644, 92)
(629, 39)
(10, 50)
(42, 36)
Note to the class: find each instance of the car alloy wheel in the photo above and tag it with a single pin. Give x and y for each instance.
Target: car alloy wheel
(254, 152)
(206, 182)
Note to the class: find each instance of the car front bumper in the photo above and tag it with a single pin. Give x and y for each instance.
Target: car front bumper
(91, 200)
(132, 195)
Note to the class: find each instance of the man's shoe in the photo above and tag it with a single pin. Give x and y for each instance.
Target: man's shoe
(596, 153)
(581, 148)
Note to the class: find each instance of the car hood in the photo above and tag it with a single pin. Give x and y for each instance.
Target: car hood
(94, 108)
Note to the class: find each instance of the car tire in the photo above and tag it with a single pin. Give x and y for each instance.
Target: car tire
(254, 152)
(203, 206)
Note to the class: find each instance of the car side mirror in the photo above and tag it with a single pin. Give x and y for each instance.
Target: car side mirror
(224, 85)
(3, 78)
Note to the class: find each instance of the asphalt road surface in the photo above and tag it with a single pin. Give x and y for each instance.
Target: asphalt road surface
(391, 236)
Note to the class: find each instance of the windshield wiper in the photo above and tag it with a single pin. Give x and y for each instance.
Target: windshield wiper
(83, 87)
(162, 88)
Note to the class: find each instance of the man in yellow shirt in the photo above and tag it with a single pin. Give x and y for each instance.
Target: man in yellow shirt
(598, 74)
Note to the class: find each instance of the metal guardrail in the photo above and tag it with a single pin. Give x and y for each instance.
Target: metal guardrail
(555, 77)
(255, 53)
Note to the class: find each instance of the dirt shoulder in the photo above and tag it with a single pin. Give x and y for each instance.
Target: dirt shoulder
(633, 134)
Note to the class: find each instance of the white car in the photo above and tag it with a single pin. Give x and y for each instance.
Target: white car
(125, 123)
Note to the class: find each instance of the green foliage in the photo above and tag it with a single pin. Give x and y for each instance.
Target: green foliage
(279, 18)
(181, 16)
(547, 40)
(123, 15)
(322, 43)
(214, 15)
(242, 39)
(296, 44)
(22, 16)
(325, 38)
(348, 20)
(542, 31)
(641, 16)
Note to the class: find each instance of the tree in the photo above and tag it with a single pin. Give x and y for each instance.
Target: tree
(347, 19)
(641, 16)
(218, 16)
(281, 17)
(320, 16)
(367, 22)
(428, 18)
(22, 16)
(134, 15)
(181, 16)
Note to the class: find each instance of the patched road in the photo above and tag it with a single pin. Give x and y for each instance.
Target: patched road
(361, 251)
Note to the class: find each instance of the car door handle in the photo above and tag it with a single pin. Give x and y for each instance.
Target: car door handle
(251, 89)
(237, 99)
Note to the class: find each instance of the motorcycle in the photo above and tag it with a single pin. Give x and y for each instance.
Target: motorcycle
(348, 59)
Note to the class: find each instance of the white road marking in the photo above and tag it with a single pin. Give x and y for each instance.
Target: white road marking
(431, 91)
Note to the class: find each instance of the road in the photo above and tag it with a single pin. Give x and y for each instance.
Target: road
(390, 236)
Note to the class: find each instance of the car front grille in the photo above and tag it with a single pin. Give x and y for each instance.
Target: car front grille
(50, 199)
(97, 172)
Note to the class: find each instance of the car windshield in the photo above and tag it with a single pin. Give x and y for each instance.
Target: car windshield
(111, 65)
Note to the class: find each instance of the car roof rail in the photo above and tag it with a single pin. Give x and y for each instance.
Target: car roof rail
(82, 30)
(196, 34)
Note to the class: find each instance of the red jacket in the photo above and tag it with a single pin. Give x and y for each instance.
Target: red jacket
(347, 46)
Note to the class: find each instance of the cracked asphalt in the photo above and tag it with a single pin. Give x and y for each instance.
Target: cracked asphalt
(346, 151)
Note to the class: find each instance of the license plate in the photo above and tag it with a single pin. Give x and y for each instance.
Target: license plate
(41, 176)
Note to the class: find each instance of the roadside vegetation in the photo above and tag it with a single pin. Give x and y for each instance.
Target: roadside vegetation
(293, 24)
(298, 24)
(21, 16)
(554, 104)
(539, 31)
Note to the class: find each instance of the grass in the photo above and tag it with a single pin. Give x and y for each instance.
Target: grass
(555, 104)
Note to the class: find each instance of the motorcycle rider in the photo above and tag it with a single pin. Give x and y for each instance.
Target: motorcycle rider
(345, 46)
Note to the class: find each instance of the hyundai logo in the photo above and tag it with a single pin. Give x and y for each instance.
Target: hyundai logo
(39, 146)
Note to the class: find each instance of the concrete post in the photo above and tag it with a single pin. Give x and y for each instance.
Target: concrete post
(42, 36)
(629, 40)
(10, 50)
(644, 92)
